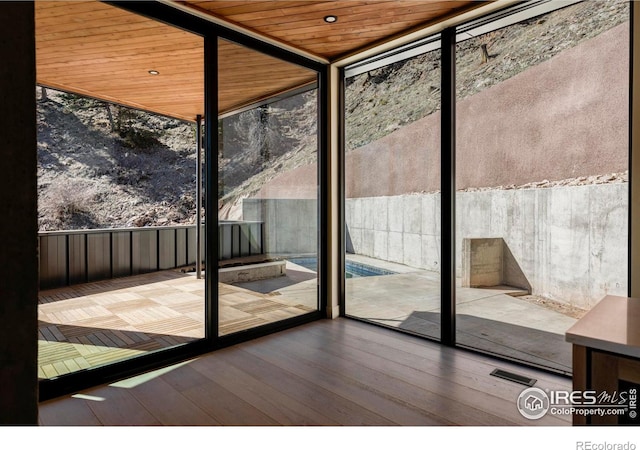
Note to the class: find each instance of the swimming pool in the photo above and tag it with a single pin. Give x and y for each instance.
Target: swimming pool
(352, 269)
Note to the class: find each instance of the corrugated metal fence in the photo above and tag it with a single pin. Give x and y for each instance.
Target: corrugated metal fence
(80, 256)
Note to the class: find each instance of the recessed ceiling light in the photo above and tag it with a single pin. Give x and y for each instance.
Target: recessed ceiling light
(330, 19)
(154, 72)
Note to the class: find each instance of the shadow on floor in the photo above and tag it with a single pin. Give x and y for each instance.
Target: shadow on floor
(521, 343)
(69, 348)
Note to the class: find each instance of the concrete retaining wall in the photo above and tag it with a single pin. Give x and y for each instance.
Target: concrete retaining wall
(290, 225)
(570, 242)
(557, 120)
(482, 262)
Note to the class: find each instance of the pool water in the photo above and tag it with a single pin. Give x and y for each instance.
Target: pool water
(352, 269)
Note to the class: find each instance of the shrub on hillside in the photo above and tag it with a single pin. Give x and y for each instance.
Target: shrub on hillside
(68, 203)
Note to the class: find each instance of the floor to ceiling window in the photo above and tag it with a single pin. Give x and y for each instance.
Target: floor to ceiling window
(392, 184)
(542, 177)
(267, 190)
(542, 168)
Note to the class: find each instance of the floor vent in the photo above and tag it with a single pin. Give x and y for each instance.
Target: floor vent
(513, 377)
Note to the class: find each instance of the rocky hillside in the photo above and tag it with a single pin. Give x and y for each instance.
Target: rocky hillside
(259, 144)
(383, 100)
(103, 165)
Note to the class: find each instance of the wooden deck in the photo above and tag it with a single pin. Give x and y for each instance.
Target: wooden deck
(329, 372)
(96, 323)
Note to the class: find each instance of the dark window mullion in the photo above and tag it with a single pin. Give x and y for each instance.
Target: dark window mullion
(211, 188)
(448, 188)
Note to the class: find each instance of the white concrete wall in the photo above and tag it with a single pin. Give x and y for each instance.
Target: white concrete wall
(290, 225)
(570, 242)
(404, 229)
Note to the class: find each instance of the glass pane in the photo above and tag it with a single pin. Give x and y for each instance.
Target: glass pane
(267, 190)
(116, 186)
(542, 178)
(392, 208)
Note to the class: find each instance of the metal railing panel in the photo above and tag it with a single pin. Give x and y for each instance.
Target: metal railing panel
(255, 238)
(226, 241)
(120, 253)
(98, 256)
(166, 249)
(191, 245)
(78, 256)
(144, 255)
(181, 247)
(53, 261)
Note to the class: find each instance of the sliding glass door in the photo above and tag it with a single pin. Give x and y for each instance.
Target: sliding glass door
(267, 190)
(116, 188)
(127, 179)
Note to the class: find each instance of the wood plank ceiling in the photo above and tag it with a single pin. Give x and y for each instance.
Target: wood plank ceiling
(360, 23)
(98, 50)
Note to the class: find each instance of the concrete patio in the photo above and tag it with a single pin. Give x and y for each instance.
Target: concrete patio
(491, 319)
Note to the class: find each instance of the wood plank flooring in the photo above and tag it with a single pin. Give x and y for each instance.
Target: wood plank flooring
(329, 372)
(97, 323)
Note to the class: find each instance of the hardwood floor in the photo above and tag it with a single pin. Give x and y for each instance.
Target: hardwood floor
(330, 372)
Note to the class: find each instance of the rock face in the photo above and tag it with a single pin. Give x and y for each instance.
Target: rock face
(262, 144)
(557, 117)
